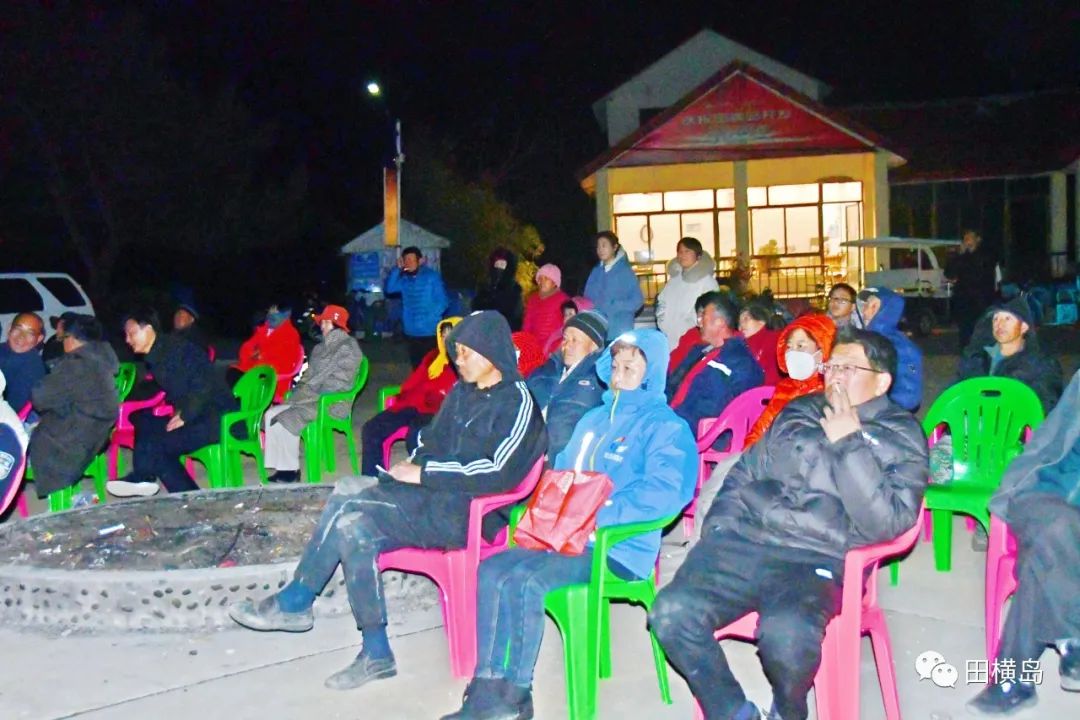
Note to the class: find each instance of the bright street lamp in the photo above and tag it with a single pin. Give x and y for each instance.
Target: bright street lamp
(373, 89)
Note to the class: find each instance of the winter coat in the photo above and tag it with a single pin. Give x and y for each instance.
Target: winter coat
(23, 371)
(543, 316)
(1031, 366)
(823, 331)
(11, 459)
(194, 334)
(690, 339)
(564, 400)
(715, 379)
(906, 390)
(766, 349)
(189, 380)
(615, 292)
(795, 489)
(78, 405)
(675, 312)
(331, 368)
(501, 292)
(481, 442)
(529, 354)
(1049, 445)
(424, 394)
(279, 347)
(423, 299)
(9, 416)
(646, 450)
(975, 277)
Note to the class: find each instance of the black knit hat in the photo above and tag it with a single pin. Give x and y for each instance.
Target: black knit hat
(592, 324)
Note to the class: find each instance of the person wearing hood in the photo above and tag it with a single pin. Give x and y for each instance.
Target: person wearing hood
(331, 369)
(718, 370)
(612, 286)
(1039, 499)
(800, 351)
(77, 404)
(275, 342)
(836, 471)
(187, 324)
(197, 394)
(650, 456)
(423, 301)
(483, 441)
(566, 386)
(414, 406)
(880, 310)
(1004, 344)
(762, 340)
(691, 274)
(501, 292)
(543, 309)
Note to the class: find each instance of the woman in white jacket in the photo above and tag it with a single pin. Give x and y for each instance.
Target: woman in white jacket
(691, 274)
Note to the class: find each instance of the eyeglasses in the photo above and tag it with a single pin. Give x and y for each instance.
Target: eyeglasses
(837, 369)
(842, 301)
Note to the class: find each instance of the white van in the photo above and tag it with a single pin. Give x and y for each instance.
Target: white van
(47, 294)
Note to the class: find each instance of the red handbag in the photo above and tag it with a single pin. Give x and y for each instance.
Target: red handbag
(561, 514)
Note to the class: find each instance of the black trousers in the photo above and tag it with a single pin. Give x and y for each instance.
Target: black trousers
(380, 427)
(419, 347)
(1046, 606)
(157, 452)
(724, 578)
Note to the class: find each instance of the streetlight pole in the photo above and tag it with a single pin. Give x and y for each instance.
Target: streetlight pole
(391, 177)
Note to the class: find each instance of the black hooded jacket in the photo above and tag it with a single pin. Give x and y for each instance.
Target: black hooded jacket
(502, 292)
(1031, 366)
(481, 442)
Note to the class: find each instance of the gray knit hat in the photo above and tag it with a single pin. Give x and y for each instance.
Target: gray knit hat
(592, 324)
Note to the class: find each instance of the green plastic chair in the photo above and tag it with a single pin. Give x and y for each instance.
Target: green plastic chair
(125, 380)
(988, 419)
(387, 392)
(318, 436)
(582, 614)
(223, 461)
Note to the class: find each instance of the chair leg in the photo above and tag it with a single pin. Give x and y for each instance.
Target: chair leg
(312, 453)
(942, 521)
(99, 471)
(605, 639)
(894, 572)
(350, 441)
(886, 672)
(61, 499)
(568, 607)
(460, 618)
(327, 442)
(260, 464)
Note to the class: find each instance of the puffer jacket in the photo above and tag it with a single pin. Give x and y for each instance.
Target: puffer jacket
(423, 299)
(1050, 444)
(796, 489)
(77, 403)
(279, 347)
(614, 291)
(823, 331)
(906, 390)
(543, 317)
(646, 450)
(1031, 366)
(675, 305)
(331, 369)
(564, 400)
(708, 379)
(481, 442)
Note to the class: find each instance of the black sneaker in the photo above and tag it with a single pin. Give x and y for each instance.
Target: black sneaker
(361, 671)
(1002, 699)
(284, 476)
(1069, 668)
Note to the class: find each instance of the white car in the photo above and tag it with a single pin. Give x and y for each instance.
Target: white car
(47, 294)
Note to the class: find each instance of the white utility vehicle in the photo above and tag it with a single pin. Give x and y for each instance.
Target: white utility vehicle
(47, 294)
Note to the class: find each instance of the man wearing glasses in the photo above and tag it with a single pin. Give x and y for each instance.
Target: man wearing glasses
(20, 358)
(837, 470)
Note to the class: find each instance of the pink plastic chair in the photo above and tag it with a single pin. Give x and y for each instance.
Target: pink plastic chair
(393, 437)
(23, 508)
(284, 382)
(454, 572)
(1000, 580)
(24, 411)
(124, 433)
(836, 686)
(738, 417)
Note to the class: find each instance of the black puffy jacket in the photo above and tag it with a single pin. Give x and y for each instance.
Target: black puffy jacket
(565, 401)
(796, 489)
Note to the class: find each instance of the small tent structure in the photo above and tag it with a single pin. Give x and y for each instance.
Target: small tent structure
(370, 259)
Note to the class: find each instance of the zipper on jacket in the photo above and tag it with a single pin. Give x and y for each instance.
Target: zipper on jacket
(603, 438)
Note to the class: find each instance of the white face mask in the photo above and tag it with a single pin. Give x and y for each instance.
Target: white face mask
(800, 365)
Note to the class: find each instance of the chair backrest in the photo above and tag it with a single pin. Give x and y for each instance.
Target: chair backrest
(481, 505)
(874, 554)
(738, 417)
(13, 488)
(125, 380)
(255, 390)
(361, 376)
(988, 419)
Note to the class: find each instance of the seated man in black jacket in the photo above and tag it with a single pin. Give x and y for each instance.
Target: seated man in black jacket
(836, 470)
(566, 386)
(198, 396)
(484, 439)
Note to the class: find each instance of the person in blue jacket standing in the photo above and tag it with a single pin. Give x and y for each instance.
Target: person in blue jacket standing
(423, 298)
(881, 310)
(612, 285)
(650, 456)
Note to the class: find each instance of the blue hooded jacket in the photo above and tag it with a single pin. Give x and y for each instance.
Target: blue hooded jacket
(643, 446)
(616, 293)
(906, 390)
(423, 299)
